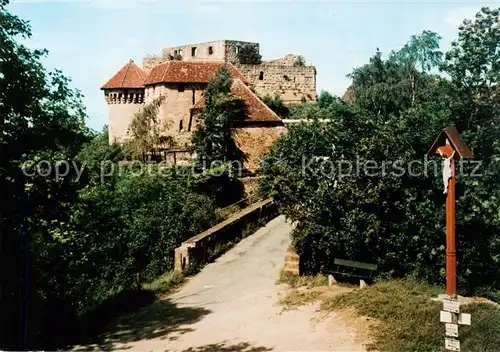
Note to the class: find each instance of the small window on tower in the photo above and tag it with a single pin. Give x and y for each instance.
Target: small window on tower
(194, 51)
(180, 52)
(261, 75)
(237, 49)
(181, 127)
(210, 50)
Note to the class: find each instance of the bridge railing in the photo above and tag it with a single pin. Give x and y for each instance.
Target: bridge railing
(194, 252)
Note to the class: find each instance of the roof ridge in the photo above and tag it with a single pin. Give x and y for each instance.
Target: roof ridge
(255, 95)
(127, 68)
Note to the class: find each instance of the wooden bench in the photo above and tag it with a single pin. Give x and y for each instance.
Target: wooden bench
(352, 269)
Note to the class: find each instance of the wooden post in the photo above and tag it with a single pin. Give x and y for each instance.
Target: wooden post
(451, 252)
(448, 145)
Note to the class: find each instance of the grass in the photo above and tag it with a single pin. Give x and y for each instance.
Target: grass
(298, 281)
(409, 320)
(297, 299)
(165, 283)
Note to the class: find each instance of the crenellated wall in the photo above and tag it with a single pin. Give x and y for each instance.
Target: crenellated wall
(122, 105)
(293, 84)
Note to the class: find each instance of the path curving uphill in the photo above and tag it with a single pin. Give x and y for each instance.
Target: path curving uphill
(233, 305)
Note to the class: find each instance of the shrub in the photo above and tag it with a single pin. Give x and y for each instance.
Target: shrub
(394, 220)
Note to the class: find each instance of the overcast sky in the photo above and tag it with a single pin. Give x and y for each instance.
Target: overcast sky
(91, 40)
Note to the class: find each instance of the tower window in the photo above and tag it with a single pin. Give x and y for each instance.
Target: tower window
(194, 51)
(210, 50)
(180, 126)
(237, 49)
(180, 87)
(261, 75)
(180, 52)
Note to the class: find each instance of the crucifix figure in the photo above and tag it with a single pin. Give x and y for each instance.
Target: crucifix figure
(449, 145)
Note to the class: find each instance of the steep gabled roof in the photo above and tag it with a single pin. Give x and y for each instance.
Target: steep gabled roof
(188, 72)
(349, 95)
(256, 109)
(129, 76)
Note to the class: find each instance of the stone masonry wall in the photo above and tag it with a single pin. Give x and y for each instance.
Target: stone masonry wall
(255, 141)
(149, 62)
(292, 83)
(201, 51)
(122, 106)
(175, 111)
(232, 48)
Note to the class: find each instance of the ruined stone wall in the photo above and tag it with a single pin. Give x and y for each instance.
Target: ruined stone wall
(288, 60)
(201, 51)
(122, 105)
(149, 62)
(255, 141)
(232, 49)
(292, 83)
(175, 113)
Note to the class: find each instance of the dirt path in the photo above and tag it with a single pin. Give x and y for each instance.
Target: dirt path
(232, 305)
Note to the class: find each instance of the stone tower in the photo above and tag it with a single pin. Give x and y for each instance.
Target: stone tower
(124, 93)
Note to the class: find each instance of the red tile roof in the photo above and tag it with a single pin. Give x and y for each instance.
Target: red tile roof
(129, 76)
(256, 110)
(188, 72)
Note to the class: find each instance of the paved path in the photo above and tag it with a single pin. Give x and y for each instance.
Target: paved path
(232, 305)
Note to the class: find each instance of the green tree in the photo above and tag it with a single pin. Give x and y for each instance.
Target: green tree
(249, 54)
(396, 220)
(147, 131)
(276, 105)
(421, 52)
(41, 117)
(299, 61)
(325, 99)
(213, 141)
(474, 59)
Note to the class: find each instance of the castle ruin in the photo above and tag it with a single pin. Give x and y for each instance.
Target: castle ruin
(181, 74)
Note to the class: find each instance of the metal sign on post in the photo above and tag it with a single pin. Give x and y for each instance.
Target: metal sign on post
(450, 305)
(451, 330)
(452, 344)
(449, 145)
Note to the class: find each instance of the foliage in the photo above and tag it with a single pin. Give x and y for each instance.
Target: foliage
(249, 54)
(407, 318)
(276, 105)
(421, 52)
(391, 216)
(118, 231)
(299, 61)
(325, 99)
(147, 130)
(213, 140)
(474, 59)
(41, 117)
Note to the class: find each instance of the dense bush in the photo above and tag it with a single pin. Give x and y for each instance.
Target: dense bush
(398, 221)
(276, 105)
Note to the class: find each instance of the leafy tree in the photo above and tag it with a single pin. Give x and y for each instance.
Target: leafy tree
(396, 219)
(325, 99)
(249, 54)
(147, 130)
(213, 141)
(474, 59)
(299, 61)
(276, 105)
(421, 51)
(41, 117)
